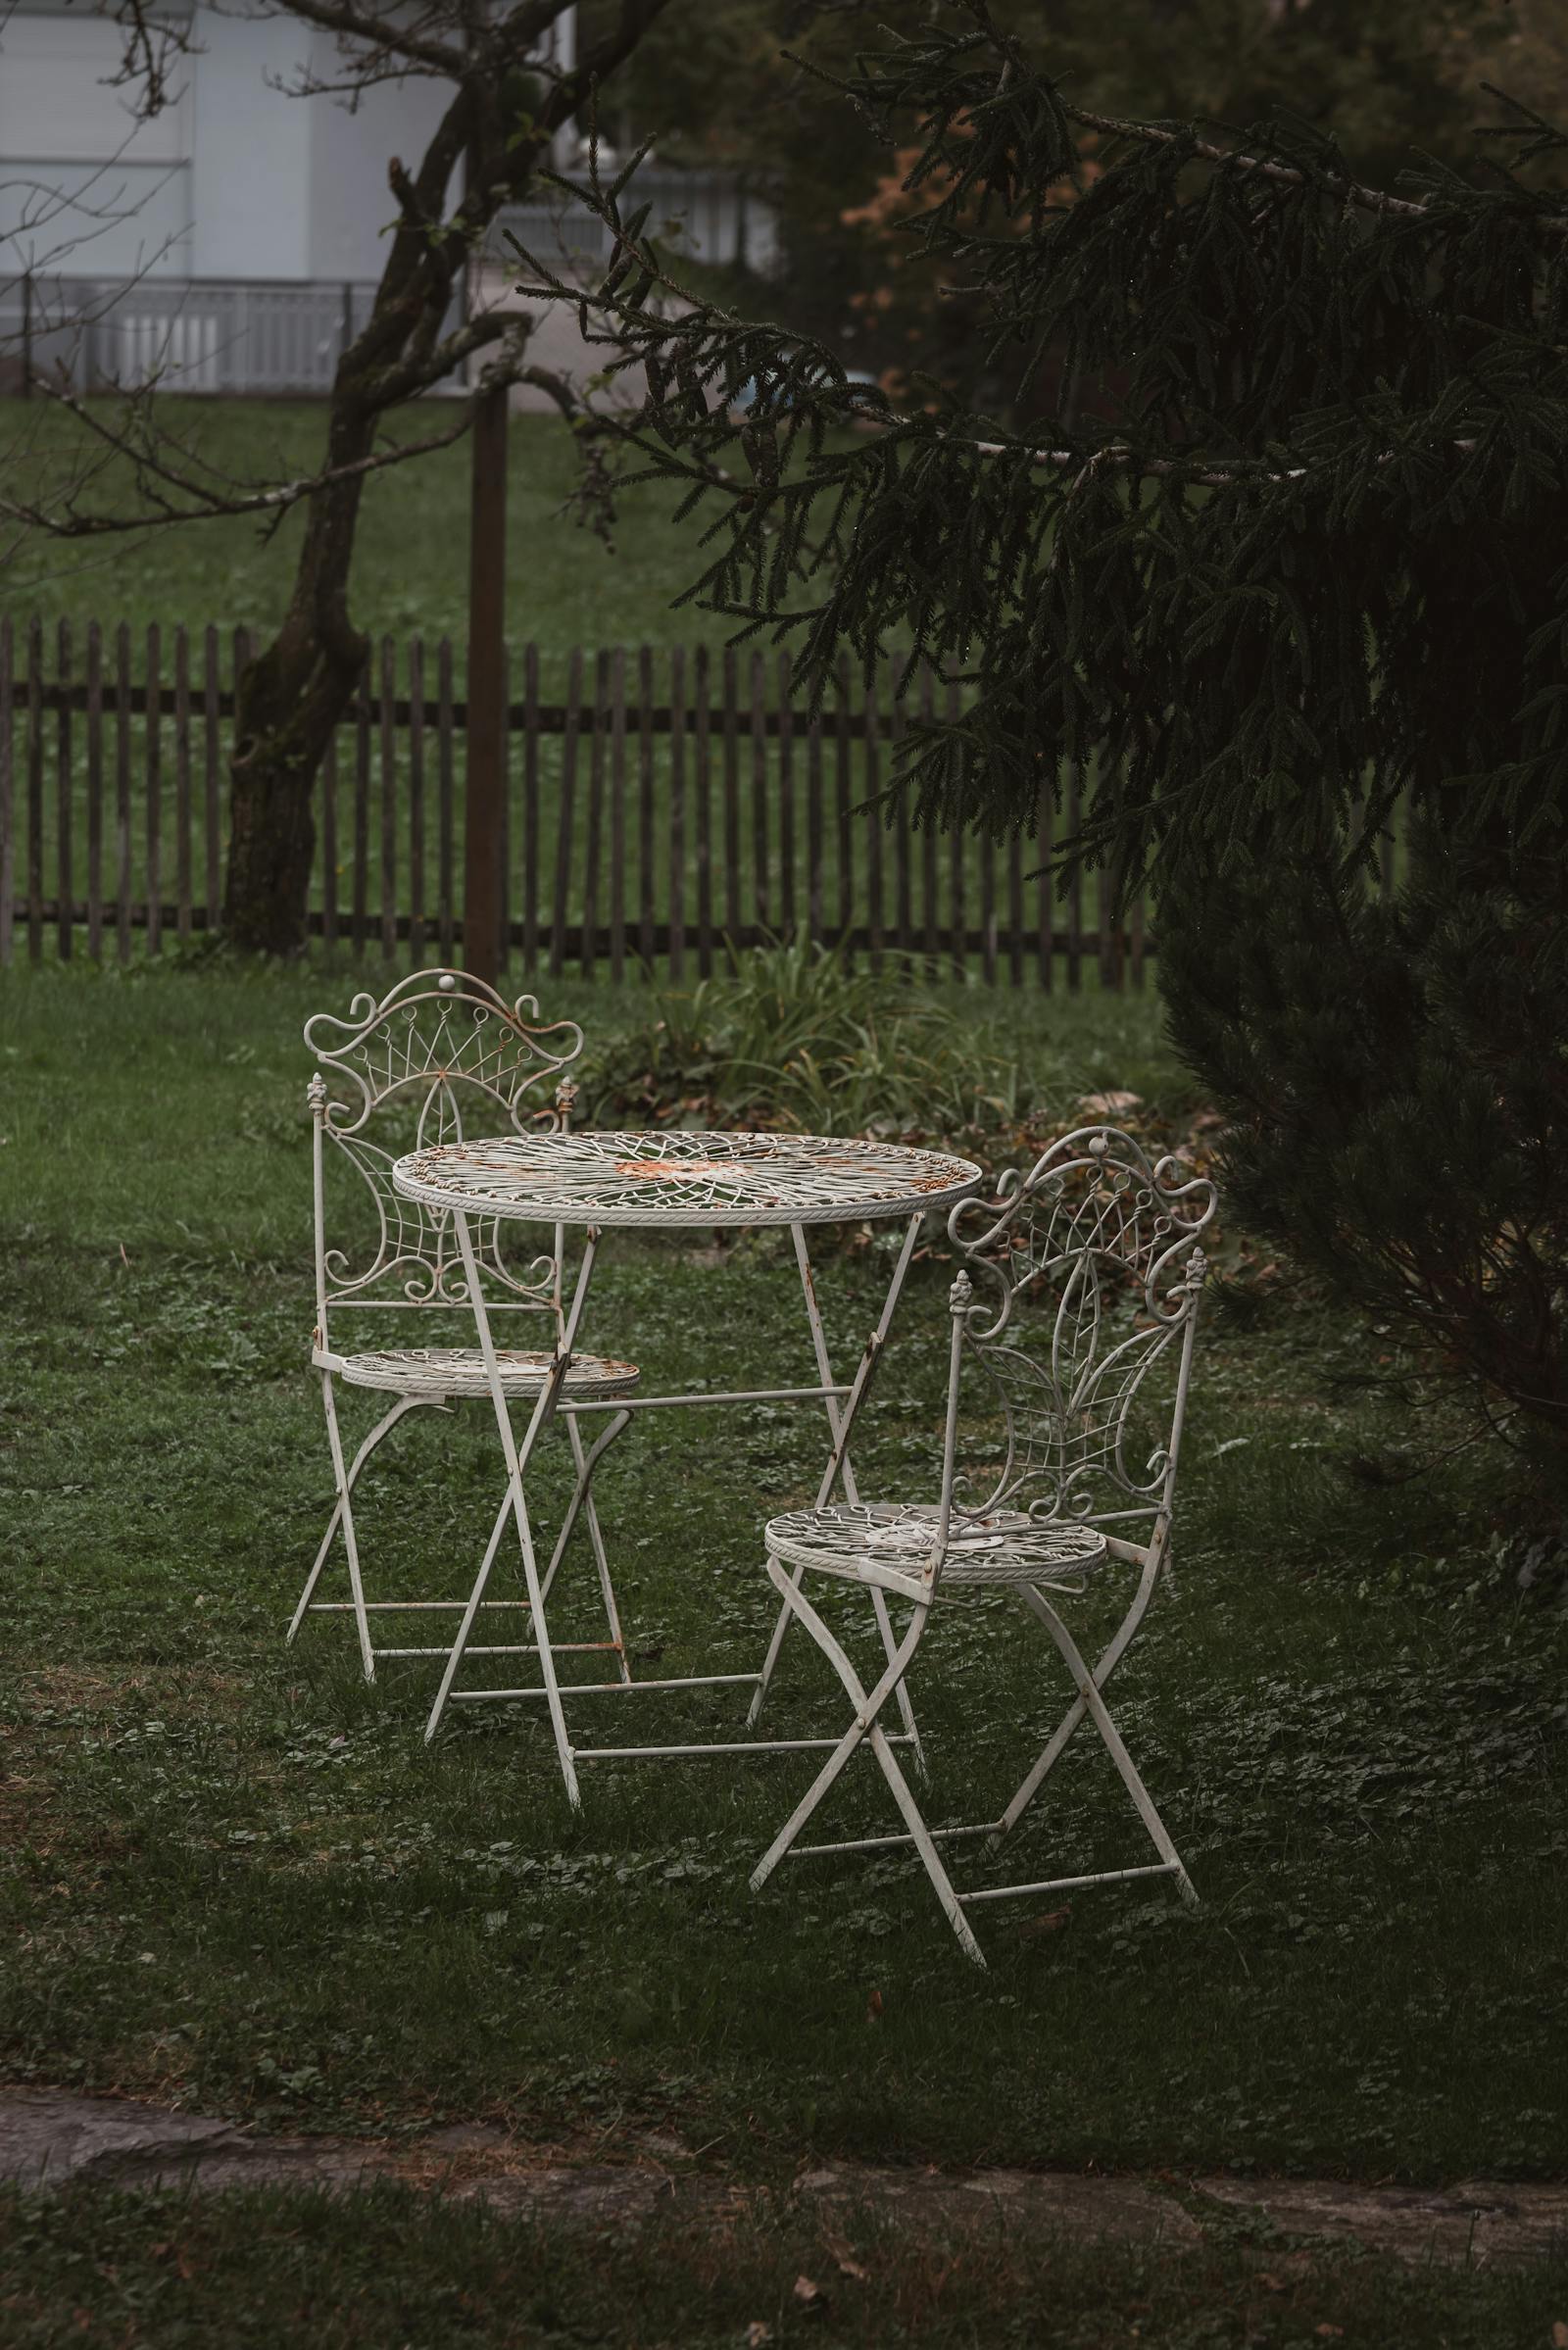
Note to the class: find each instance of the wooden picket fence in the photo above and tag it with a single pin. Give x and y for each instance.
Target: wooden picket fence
(659, 808)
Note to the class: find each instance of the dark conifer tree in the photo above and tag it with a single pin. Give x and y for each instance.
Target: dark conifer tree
(1297, 562)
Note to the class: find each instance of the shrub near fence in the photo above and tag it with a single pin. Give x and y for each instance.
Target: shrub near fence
(655, 808)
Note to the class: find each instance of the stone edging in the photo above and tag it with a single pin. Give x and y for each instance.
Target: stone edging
(48, 2137)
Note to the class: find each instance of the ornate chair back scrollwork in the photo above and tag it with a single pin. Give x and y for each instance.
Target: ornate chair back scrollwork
(1087, 1274)
(440, 1056)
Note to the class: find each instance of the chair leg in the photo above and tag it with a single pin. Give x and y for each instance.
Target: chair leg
(350, 1543)
(345, 1487)
(841, 1421)
(468, 1621)
(517, 1457)
(866, 1728)
(583, 1504)
(1110, 1658)
(1095, 1703)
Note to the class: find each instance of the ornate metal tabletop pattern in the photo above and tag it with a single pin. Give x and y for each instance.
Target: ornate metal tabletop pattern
(684, 1178)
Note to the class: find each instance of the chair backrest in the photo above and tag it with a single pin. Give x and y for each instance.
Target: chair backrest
(440, 1057)
(1087, 1275)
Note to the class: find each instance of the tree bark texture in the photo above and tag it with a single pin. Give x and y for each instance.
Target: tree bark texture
(288, 704)
(292, 697)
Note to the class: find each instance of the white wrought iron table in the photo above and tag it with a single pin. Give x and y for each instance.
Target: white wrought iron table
(667, 1182)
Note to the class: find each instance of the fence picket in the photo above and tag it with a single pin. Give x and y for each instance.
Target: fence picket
(903, 886)
(416, 801)
(956, 860)
(732, 799)
(155, 789)
(759, 844)
(530, 808)
(35, 791)
(703, 689)
(182, 814)
(504, 844)
(212, 752)
(677, 815)
(816, 916)
(389, 801)
(596, 812)
(445, 727)
(563, 823)
(645, 802)
(95, 791)
(123, 693)
(1016, 908)
(874, 823)
(330, 843)
(931, 917)
(1075, 887)
(617, 816)
(843, 787)
(1046, 943)
(8, 800)
(1110, 935)
(65, 876)
(359, 878)
(786, 796)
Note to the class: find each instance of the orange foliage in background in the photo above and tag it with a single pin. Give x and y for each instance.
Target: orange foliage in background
(910, 311)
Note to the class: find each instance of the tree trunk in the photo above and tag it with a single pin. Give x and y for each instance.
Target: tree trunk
(288, 703)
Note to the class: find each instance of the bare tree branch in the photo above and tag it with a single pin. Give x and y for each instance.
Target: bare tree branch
(387, 34)
(204, 503)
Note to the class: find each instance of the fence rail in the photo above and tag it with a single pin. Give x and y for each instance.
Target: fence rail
(187, 334)
(657, 807)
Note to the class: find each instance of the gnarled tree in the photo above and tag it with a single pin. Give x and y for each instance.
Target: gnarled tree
(505, 101)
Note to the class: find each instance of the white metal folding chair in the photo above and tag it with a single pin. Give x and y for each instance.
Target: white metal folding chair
(398, 1073)
(1077, 1304)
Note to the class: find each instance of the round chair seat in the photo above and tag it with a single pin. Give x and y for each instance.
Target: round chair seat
(867, 1538)
(459, 1371)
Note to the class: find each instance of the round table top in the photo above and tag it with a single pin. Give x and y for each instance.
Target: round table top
(679, 1177)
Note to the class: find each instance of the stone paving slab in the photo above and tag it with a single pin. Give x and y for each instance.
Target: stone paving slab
(49, 2136)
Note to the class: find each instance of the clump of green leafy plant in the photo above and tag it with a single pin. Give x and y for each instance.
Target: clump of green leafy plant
(788, 1036)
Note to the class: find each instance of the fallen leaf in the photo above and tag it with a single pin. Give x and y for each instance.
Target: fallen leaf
(1328, 2333)
(1559, 2336)
(808, 2293)
(1109, 1106)
(1051, 1922)
(844, 2259)
(873, 2008)
(758, 2335)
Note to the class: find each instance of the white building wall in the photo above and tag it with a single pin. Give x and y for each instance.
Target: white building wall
(250, 156)
(83, 185)
(351, 204)
(235, 182)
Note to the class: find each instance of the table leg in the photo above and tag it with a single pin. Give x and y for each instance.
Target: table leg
(841, 1422)
(517, 1457)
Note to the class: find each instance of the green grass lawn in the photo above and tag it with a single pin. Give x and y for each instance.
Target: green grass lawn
(235, 1879)
(411, 568)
